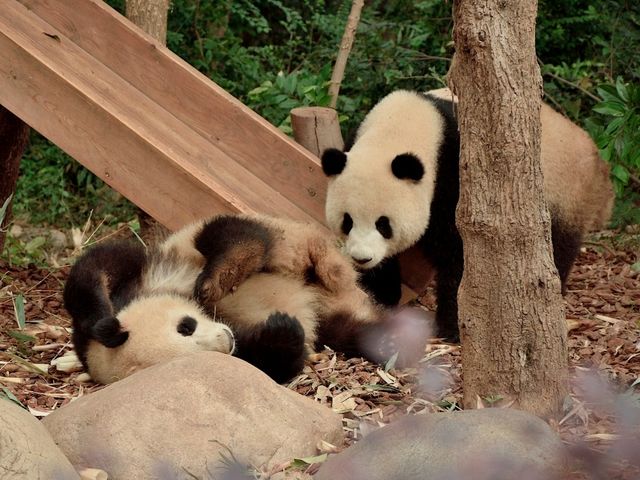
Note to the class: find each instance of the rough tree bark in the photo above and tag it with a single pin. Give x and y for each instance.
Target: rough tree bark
(150, 16)
(511, 313)
(14, 136)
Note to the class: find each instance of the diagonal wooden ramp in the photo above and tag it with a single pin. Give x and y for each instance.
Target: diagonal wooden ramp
(143, 120)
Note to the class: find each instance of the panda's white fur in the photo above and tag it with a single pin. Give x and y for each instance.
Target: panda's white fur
(152, 323)
(242, 278)
(366, 180)
(417, 202)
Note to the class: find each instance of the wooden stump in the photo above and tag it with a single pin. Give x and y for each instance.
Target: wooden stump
(316, 128)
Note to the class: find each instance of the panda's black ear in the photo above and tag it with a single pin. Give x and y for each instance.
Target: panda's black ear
(407, 167)
(108, 332)
(333, 161)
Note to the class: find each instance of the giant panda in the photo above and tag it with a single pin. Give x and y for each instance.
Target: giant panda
(397, 186)
(268, 290)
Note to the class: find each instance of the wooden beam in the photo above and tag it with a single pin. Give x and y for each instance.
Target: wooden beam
(124, 137)
(191, 97)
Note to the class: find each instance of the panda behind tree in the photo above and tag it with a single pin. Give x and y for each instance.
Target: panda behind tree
(398, 186)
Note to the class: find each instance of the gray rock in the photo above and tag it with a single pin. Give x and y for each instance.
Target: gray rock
(58, 238)
(183, 418)
(487, 444)
(27, 451)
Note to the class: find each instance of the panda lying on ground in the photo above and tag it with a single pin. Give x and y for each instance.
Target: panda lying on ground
(267, 290)
(398, 186)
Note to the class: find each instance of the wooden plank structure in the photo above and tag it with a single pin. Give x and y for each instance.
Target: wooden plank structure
(145, 121)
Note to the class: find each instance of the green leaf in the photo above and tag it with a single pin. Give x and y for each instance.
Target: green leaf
(391, 362)
(21, 337)
(621, 173)
(18, 309)
(614, 125)
(608, 93)
(306, 461)
(34, 244)
(3, 209)
(7, 395)
(636, 268)
(615, 109)
(622, 89)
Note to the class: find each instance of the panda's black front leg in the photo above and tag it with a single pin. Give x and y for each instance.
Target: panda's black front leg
(448, 281)
(383, 282)
(275, 347)
(234, 247)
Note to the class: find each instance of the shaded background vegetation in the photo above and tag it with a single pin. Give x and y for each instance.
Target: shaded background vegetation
(275, 55)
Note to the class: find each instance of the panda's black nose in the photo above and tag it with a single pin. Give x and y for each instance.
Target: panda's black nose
(362, 261)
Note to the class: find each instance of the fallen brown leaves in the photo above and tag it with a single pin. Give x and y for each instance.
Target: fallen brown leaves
(603, 311)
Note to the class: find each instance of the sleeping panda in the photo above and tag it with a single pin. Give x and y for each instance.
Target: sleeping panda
(267, 290)
(398, 186)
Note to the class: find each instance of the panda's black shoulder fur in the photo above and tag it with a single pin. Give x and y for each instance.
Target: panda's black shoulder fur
(102, 282)
(441, 242)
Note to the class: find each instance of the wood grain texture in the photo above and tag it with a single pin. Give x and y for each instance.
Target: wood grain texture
(119, 133)
(316, 128)
(192, 98)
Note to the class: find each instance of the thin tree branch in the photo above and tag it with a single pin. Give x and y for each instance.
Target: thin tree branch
(345, 47)
(571, 84)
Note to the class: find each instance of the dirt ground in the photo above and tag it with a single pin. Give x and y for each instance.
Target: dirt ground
(601, 421)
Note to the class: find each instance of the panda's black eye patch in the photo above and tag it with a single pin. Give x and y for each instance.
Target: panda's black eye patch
(384, 227)
(187, 326)
(407, 166)
(347, 224)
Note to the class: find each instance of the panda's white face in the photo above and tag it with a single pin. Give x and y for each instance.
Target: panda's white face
(374, 221)
(160, 327)
(380, 191)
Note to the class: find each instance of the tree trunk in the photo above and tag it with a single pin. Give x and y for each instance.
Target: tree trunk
(511, 313)
(150, 16)
(14, 136)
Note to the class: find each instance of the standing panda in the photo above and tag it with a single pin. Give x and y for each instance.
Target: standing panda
(267, 290)
(398, 186)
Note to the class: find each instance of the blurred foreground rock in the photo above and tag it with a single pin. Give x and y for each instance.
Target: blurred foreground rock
(487, 444)
(27, 451)
(185, 417)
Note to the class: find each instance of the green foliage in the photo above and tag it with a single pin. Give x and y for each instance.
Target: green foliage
(275, 55)
(54, 189)
(616, 131)
(258, 50)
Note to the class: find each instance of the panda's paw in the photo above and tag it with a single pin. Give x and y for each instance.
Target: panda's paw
(209, 289)
(222, 277)
(331, 269)
(277, 348)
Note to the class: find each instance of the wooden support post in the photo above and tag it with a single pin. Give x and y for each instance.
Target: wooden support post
(14, 135)
(316, 128)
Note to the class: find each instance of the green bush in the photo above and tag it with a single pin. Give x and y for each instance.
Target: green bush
(54, 189)
(275, 55)
(616, 131)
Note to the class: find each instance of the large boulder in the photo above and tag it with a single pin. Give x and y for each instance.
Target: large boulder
(27, 451)
(487, 444)
(188, 417)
